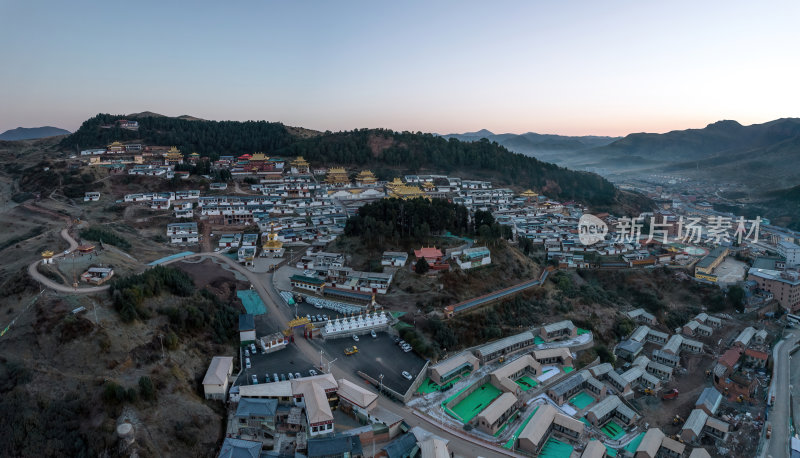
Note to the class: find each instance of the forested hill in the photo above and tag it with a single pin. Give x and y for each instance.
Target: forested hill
(204, 137)
(386, 152)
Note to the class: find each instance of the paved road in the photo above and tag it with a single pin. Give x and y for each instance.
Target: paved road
(778, 445)
(34, 272)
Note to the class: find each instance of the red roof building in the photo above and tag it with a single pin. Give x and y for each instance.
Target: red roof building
(730, 357)
(431, 254)
(756, 354)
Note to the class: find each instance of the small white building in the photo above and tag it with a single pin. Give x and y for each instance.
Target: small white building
(247, 328)
(91, 197)
(474, 257)
(183, 233)
(215, 383)
(183, 210)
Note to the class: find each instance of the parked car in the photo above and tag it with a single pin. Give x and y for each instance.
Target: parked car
(312, 372)
(253, 348)
(266, 378)
(373, 334)
(407, 349)
(402, 342)
(283, 377)
(255, 379)
(396, 339)
(324, 317)
(406, 375)
(297, 375)
(308, 317)
(291, 376)
(246, 352)
(319, 317)
(355, 337)
(275, 377)
(247, 363)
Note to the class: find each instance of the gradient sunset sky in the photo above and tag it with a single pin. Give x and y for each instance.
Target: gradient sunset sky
(573, 68)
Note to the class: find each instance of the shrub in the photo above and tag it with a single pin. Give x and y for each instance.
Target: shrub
(98, 234)
(146, 388)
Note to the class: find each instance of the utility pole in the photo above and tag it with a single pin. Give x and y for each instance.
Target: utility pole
(380, 390)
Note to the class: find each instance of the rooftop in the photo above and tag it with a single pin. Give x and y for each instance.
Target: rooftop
(335, 446)
(217, 372)
(498, 345)
(256, 407)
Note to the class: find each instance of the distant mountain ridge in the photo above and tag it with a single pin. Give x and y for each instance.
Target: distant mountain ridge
(542, 146)
(762, 156)
(717, 138)
(32, 133)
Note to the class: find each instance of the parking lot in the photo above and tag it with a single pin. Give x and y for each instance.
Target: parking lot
(290, 359)
(376, 356)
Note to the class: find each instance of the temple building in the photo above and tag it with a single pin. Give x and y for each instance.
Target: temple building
(116, 147)
(173, 156)
(396, 188)
(366, 178)
(530, 195)
(337, 176)
(272, 247)
(299, 165)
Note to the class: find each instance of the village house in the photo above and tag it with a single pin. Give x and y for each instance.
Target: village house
(505, 347)
(353, 397)
(755, 358)
(610, 407)
(490, 419)
(643, 317)
(558, 331)
(216, 380)
(694, 328)
(744, 337)
(655, 444)
(255, 418)
(560, 356)
(545, 422)
(91, 197)
(247, 328)
(474, 257)
(97, 275)
(709, 401)
(505, 377)
(183, 233)
(307, 283)
(394, 258)
(574, 384)
(451, 368)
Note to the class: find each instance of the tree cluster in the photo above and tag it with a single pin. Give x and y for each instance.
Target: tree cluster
(97, 234)
(208, 138)
(129, 293)
(397, 220)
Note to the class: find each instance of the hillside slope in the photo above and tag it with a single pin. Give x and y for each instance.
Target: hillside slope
(387, 152)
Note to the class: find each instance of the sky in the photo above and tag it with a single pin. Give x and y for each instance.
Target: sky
(571, 68)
